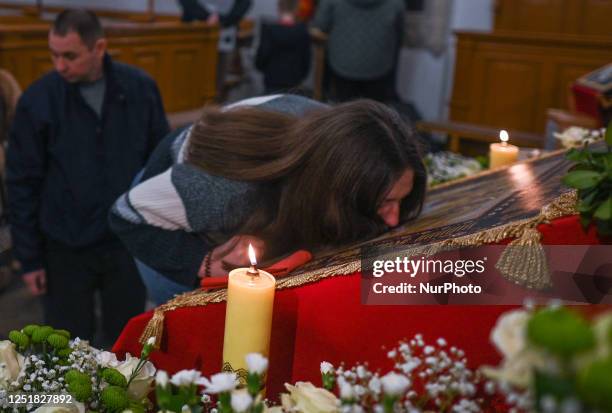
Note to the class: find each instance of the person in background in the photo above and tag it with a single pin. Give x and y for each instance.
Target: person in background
(283, 55)
(226, 13)
(364, 39)
(80, 135)
(282, 172)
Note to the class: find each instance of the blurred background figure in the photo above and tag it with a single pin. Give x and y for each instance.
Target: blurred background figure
(283, 55)
(364, 39)
(226, 13)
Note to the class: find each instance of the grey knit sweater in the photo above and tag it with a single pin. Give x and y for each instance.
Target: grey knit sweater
(364, 35)
(170, 219)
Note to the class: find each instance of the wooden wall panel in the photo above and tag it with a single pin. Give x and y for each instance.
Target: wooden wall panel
(509, 80)
(583, 17)
(504, 103)
(186, 79)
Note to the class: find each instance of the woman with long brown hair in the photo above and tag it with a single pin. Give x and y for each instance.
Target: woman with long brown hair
(282, 172)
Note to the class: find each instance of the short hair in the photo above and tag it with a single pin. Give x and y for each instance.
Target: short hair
(83, 22)
(288, 6)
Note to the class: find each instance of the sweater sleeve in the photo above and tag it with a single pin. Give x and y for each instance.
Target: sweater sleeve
(151, 221)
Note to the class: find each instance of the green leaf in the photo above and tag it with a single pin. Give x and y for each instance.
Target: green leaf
(609, 134)
(582, 179)
(604, 211)
(576, 156)
(552, 385)
(595, 384)
(585, 221)
(560, 331)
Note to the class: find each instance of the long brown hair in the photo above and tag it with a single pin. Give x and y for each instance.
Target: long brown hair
(324, 174)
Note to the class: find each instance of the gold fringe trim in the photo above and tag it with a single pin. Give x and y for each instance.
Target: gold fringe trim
(522, 262)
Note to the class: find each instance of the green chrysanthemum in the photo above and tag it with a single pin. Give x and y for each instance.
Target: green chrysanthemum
(114, 398)
(560, 331)
(40, 334)
(114, 378)
(81, 391)
(75, 376)
(65, 352)
(20, 339)
(136, 407)
(57, 341)
(595, 384)
(64, 333)
(29, 329)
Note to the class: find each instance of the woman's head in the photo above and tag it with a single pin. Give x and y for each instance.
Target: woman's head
(338, 174)
(361, 171)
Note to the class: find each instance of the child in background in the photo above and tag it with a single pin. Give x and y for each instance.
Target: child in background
(283, 55)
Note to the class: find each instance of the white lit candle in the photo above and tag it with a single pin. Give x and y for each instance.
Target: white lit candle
(501, 154)
(248, 317)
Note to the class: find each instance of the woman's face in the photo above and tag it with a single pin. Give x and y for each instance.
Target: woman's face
(389, 210)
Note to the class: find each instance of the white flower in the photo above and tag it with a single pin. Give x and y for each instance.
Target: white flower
(441, 342)
(375, 385)
(256, 363)
(161, 378)
(509, 333)
(11, 363)
(394, 384)
(346, 390)
(186, 378)
(107, 359)
(151, 341)
(141, 384)
(326, 367)
(241, 400)
(185, 409)
(361, 372)
(304, 397)
(220, 383)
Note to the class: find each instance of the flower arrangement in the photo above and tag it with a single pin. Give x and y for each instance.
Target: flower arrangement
(576, 137)
(43, 370)
(425, 378)
(447, 166)
(555, 361)
(592, 177)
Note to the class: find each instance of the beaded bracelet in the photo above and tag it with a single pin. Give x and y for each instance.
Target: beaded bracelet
(207, 264)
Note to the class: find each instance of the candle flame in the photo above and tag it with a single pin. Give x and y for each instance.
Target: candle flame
(252, 256)
(503, 136)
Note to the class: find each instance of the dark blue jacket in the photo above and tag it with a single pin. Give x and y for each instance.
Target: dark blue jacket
(66, 166)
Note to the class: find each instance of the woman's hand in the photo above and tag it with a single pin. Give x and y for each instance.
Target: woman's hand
(232, 254)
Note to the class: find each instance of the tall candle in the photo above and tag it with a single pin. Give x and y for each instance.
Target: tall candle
(501, 154)
(248, 316)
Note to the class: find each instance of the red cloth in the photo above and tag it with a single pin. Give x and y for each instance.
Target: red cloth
(325, 321)
(587, 101)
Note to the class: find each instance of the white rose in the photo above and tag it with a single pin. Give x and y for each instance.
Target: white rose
(256, 363)
(394, 384)
(306, 398)
(141, 384)
(161, 379)
(76, 407)
(241, 400)
(11, 363)
(326, 367)
(519, 369)
(510, 333)
(375, 385)
(220, 383)
(186, 378)
(107, 359)
(602, 326)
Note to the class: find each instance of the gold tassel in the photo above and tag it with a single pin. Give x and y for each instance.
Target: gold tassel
(523, 262)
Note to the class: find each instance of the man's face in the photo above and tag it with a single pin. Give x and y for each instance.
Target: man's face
(73, 60)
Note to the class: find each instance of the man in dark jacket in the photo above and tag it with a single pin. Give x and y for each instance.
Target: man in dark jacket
(80, 135)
